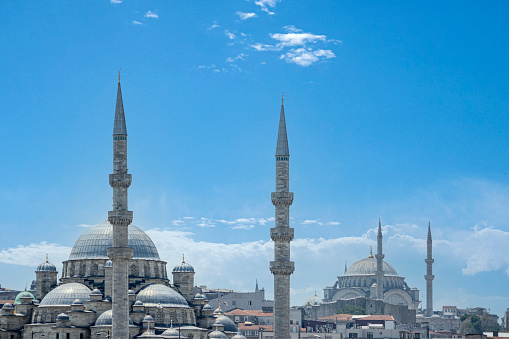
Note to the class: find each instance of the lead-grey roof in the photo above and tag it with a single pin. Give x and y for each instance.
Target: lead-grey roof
(46, 267)
(217, 335)
(94, 243)
(157, 294)
(228, 324)
(106, 319)
(119, 127)
(368, 267)
(282, 139)
(64, 295)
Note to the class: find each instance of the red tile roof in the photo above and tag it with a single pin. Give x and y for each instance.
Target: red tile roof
(250, 312)
(338, 317)
(377, 317)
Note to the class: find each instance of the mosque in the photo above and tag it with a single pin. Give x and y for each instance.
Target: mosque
(79, 305)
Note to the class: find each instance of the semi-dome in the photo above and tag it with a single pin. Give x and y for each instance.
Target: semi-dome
(368, 267)
(23, 294)
(106, 319)
(228, 324)
(62, 317)
(314, 300)
(217, 335)
(46, 267)
(93, 244)
(157, 294)
(64, 295)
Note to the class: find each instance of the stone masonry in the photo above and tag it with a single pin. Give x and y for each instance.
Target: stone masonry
(120, 218)
(282, 234)
(429, 275)
(379, 264)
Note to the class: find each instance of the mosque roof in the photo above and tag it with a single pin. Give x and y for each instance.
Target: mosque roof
(217, 335)
(314, 300)
(23, 294)
(46, 267)
(106, 319)
(183, 267)
(228, 324)
(157, 294)
(367, 266)
(64, 295)
(95, 241)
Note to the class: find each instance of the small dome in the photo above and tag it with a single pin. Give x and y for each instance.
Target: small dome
(238, 336)
(77, 302)
(62, 317)
(217, 311)
(199, 296)
(314, 300)
(207, 307)
(96, 291)
(23, 294)
(108, 263)
(64, 295)
(157, 294)
(171, 332)
(131, 292)
(148, 317)
(368, 267)
(228, 324)
(8, 306)
(106, 319)
(217, 335)
(183, 267)
(46, 267)
(138, 303)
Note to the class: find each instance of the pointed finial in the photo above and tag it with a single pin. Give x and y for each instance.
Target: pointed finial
(183, 258)
(119, 75)
(371, 252)
(282, 98)
(46, 257)
(315, 294)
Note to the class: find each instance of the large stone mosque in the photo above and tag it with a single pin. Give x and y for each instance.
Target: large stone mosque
(80, 306)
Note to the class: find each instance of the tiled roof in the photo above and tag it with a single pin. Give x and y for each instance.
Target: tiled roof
(250, 312)
(377, 317)
(338, 317)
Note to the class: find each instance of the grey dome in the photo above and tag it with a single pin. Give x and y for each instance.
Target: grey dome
(183, 268)
(148, 317)
(314, 300)
(199, 296)
(171, 332)
(8, 306)
(217, 335)
(130, 292)
(46, 267)
(64, 295)
(228, 324)
(77, 302)
(93, 244)
(208, 307)
(368, 267)
(155, 294)
(238, 336)
(96, 291)
(106, 319)
(217, 311)
(62, 317)
(138, 303)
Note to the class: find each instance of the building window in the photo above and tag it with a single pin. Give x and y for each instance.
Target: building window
(234, 302)
(250, 302)
(352, 335)
(237, 319)
(245, 318)
(370, 335)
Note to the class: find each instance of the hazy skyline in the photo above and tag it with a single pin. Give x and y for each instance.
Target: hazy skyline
(394, 110)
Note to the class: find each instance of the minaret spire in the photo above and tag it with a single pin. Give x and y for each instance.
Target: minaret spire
(120, 218)
(282, 235)
(379, 264)
(429, 274)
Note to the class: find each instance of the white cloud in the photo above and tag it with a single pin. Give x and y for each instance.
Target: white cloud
(214, 25)
(263, 47)
(292, 29)
(116, 1)
(34, 254)
(241, 56)
(307, 222)
(136, 22)
(305, 57)
(266, 4)
(229, 34)
(206, 223)
(84, 225)
(152, 15)
(244, 16)
(334, 223)
(178, 222)
(296, 39)
(243, 227)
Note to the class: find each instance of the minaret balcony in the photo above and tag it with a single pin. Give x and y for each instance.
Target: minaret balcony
(282, 234)
(282, 268)
(282, 198)
(429, 261)
(120, 217)
(122, 180)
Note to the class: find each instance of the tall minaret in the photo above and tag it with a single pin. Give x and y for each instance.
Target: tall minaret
(120, 218)
(379, 264)
(429, 275)
(282, 234)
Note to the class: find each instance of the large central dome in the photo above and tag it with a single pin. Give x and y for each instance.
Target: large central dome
(368, 267)
(93, 244)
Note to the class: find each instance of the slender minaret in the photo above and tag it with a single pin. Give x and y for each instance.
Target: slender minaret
(282, 234)
(379, 264)
(429, 275)
(120, 218)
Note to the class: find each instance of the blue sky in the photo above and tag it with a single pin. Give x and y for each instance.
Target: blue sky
(394, 110)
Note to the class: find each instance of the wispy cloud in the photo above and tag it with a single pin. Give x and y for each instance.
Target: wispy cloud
(296, 39)
(116, 1)
(34, 254)
(305, 57)
(136, 22)
(84, 225)
(241, 56)
(244, 16)
(152, 15)
(266, 4)
(214, 25)
(229, 34)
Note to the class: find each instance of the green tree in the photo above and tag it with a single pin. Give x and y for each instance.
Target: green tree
(351, 309)
(478, 324)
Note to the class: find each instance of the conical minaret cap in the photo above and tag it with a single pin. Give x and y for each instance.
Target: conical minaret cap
(282, 139)
(429, 231)
(119, 127)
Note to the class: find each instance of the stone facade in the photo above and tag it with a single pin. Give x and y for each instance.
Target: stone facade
(429, 275)
(282, 234)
